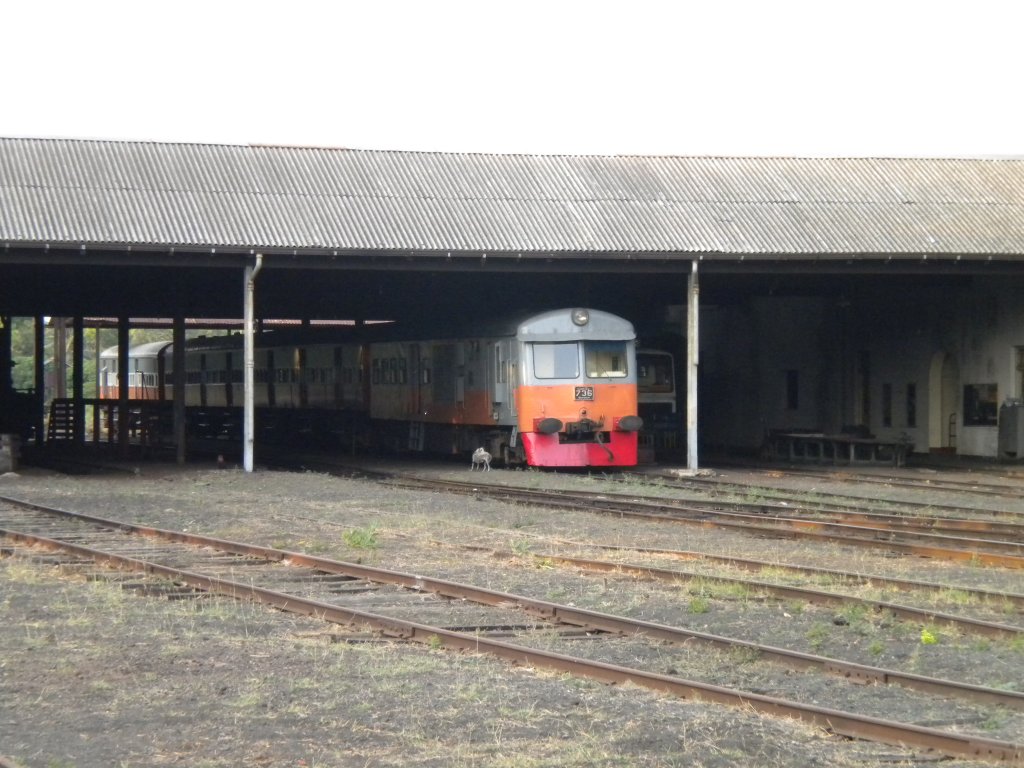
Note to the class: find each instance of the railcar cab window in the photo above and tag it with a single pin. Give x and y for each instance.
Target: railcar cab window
(605, 359)
(556, 361)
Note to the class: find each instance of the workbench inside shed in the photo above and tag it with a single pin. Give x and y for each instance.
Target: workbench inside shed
(838, 448)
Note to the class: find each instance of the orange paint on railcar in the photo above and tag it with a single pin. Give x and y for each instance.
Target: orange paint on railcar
(473, 409)
(543, 402)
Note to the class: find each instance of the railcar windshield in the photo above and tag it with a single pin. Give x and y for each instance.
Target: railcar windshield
(606, 359)
(556, 361)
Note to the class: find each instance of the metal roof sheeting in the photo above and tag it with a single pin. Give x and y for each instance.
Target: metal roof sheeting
(65, 192)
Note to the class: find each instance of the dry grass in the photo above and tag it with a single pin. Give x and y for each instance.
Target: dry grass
(132, 681)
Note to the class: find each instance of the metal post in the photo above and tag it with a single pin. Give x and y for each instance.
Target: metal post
(6, 357)
(60, 360)
(249, 363)
(97, 408)
(178, 385)
(123, 415)
(40, 378)
(692, 346)
(78, 379)
(8, 418)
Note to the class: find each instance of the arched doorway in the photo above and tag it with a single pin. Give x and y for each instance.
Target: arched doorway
(943, 419)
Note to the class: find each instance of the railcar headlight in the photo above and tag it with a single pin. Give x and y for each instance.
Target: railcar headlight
(580, 316)
(548, 426)
(631, 423)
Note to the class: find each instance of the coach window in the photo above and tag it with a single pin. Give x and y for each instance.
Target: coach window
(556, 361)
(605, 359)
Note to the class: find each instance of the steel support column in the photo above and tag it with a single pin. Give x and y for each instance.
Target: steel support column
(8, 419)
(40, 378)
(692, 347)
(249, 363)
(60, 357)
(78, 379)
(123, 415)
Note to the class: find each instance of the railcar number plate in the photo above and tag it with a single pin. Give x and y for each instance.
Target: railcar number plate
(584, 393)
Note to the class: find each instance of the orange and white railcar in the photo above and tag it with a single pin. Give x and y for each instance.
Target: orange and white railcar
(555, 389)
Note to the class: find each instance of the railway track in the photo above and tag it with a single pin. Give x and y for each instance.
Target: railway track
(823, 505)
(855, 514)
(425, 610)
(776, 591)
(848, 578)
(722, 486)
(999, 547)
(930, 537)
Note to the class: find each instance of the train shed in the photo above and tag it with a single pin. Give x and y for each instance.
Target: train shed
(806, 296)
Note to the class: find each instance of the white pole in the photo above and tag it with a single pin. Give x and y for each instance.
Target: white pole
(692, 345)
(249, 383)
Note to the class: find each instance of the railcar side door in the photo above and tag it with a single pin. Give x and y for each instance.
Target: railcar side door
(503, 380)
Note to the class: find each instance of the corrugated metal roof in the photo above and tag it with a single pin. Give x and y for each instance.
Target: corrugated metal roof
(206, 196)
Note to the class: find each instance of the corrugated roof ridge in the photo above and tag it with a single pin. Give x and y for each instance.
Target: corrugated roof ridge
(585, 193)
(643, 156)
(509, 198)
(480, 153)
(152, 142)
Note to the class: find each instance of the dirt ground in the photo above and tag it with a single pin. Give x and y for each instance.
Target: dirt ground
(92, 674)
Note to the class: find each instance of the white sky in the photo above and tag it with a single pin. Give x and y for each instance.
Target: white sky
(724, 77)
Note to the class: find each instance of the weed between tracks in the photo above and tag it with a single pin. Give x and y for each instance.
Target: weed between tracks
(362, 538)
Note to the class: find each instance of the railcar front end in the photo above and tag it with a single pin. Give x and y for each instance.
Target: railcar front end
(577, 397)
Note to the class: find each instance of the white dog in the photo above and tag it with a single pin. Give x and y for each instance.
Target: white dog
(481, 457)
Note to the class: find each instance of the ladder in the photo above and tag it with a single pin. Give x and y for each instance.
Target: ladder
(61, 425)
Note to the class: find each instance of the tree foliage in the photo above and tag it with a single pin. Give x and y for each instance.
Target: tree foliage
(23, 352)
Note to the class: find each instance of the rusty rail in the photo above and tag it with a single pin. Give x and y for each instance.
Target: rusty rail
(978, 551)
(778, 591)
